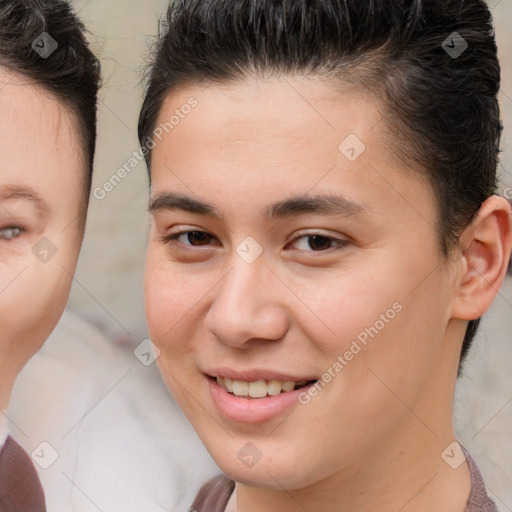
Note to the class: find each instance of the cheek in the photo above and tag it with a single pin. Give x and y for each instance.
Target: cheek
(173, 297)
(32, 306)
(169, 300)
(369, 325)
(345, 307)
(35, 292)
(393, 342)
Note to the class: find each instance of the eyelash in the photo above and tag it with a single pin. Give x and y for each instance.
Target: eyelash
(173, 239)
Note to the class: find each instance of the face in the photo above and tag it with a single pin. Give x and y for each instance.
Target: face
(292, 256)
(41, 198)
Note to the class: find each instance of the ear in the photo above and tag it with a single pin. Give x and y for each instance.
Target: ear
(488, 243)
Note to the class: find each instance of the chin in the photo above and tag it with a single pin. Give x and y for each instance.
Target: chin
(244, 466)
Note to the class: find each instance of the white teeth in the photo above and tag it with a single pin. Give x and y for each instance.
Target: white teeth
(288, 385)
(228, 384)
(259, 388)
(240, 388)
(274, 387)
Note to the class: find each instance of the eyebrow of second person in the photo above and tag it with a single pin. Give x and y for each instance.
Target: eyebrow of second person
(299, 205)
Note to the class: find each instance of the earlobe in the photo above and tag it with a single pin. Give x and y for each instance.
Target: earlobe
(488, 242)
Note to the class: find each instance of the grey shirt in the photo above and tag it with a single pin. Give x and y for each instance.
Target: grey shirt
(20, 488)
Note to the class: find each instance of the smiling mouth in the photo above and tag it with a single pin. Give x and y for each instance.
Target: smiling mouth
(260, 388)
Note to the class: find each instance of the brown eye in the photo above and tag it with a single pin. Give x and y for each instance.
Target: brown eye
(198, 237)
(319, 242)
(316, 243)
(193, 238)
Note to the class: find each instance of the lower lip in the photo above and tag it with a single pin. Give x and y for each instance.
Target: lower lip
(253, 410)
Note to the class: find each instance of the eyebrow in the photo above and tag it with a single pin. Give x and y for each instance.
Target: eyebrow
(320, 204)
(25, 193)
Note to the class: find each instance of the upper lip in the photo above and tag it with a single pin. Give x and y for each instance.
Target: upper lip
(255, 374)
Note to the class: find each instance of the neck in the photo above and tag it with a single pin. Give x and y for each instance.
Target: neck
(7, 378)
(12, 360)
(8, 374)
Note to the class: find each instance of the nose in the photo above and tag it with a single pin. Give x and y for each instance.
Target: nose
(248, 305)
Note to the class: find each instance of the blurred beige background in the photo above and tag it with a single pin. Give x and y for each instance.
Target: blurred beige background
(108, 285)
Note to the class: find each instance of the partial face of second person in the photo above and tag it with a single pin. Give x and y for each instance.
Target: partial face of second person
(41, 212)
(243, 284)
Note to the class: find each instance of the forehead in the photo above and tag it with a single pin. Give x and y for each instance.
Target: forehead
(255, 139)
(285, 109)
(39, 140)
